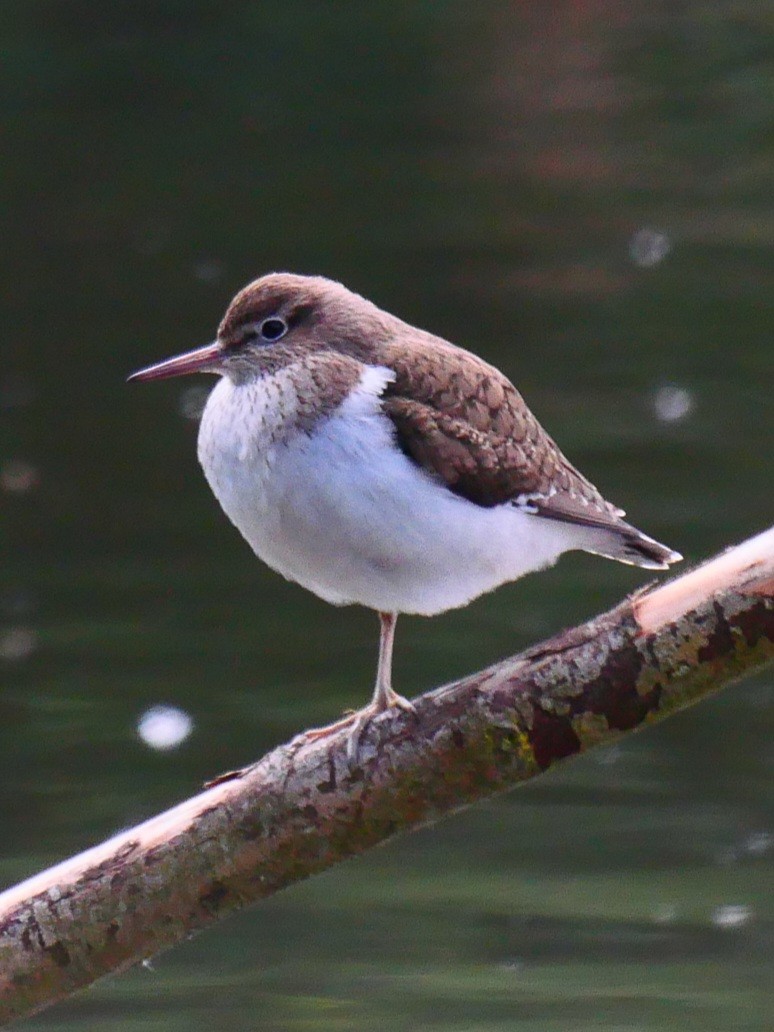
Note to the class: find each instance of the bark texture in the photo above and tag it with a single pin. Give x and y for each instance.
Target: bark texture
(298, 812)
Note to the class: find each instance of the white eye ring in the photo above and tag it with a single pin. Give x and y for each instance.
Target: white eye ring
(273, 328)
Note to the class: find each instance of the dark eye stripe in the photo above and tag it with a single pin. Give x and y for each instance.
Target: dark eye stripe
(269, 330)
(248, 336)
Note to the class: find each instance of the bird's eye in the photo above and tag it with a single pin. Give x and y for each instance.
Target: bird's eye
(273, 329)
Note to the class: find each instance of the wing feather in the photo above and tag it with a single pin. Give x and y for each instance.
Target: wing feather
(463, 422)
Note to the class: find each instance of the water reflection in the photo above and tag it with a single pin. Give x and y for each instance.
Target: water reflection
(164, 727)
(732, 915)
(17, 643)
(672, 403)
(648, 247)
(18, 477)
(192, 401)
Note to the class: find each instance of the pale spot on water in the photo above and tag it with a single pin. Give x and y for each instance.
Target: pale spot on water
(17, 643)
(666, 913)
(759, 843)
(18, 476)
(164, 727)
(672, 403)
(209, 270)
(732, 915)
(515, 966)
(648, 247)
(192, 400)
(609, 756)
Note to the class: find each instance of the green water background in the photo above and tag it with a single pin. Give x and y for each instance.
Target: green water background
(579, 191)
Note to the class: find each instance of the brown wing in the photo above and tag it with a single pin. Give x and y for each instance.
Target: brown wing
(484, 468)
(462, 420)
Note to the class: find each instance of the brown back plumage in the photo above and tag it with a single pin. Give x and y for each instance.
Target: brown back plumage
(456, 416)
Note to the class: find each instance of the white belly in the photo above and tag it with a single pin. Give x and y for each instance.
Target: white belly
(344, 513)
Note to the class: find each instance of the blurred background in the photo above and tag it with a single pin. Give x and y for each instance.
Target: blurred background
(579, 191)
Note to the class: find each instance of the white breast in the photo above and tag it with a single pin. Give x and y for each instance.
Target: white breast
(343, 512)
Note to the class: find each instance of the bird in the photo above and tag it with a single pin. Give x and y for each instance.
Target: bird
(377, 464)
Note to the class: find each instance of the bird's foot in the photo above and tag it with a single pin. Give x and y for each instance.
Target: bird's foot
(357, 721)
(362, 719)
(315, 734)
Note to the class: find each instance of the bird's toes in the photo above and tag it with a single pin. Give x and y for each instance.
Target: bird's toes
(315, 734)
(364, 718)
(399, 702)
(355, 735)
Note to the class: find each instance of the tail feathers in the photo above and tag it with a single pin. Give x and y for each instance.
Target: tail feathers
(629, 545)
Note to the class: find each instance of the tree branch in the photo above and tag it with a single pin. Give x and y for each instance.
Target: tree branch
(294, 814)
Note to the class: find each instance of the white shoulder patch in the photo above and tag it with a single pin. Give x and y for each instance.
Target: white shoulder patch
(374, 379)
(364, 399)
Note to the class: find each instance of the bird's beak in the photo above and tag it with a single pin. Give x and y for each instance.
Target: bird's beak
(201, 360)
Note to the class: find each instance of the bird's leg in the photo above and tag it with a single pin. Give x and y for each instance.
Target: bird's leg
(384, 697)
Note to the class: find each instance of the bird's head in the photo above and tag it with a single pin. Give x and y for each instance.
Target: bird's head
(276, 320)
